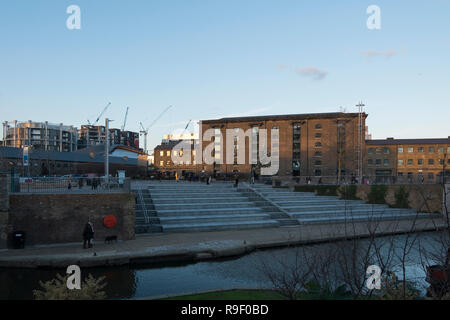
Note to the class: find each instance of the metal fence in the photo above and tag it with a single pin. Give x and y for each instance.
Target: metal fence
(69, 185)
(378, 179)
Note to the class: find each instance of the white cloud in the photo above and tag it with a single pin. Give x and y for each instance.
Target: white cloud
(372, 53)
(283, 66)
(311, 72)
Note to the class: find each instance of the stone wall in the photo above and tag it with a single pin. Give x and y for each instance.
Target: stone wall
(424, 198)
(60, 218)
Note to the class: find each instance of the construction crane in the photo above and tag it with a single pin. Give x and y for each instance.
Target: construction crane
(125, 120)
(100, 115)
(144, 131)
(184, 131)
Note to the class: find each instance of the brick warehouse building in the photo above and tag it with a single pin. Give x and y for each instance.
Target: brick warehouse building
(318, 146)
(407, 160)
(163, 159)
(310, 145)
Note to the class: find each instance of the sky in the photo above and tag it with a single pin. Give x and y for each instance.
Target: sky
(211, 59)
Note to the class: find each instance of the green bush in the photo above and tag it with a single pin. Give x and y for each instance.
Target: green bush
(348, 192)
(401, 198)
(377, 194)
(56, 289)
(315, 291)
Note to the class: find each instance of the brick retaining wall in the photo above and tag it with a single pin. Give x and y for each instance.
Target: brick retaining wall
(60, 218)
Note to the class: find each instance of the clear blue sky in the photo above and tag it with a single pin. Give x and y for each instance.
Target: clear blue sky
(211, 58)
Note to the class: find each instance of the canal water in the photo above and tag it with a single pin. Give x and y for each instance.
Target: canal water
(245, 271)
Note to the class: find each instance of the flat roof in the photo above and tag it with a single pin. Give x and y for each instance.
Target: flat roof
(301, 116)
(16, 153)
(408, 141)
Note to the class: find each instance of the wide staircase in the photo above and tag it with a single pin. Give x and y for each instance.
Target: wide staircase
(193, 207)
(309, 208)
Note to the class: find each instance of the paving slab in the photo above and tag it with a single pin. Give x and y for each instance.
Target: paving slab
(195, 246)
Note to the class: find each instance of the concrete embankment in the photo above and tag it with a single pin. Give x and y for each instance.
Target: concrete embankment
(190, 247)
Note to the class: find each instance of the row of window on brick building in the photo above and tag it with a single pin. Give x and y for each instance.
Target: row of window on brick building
(409, 162)
(402, 150)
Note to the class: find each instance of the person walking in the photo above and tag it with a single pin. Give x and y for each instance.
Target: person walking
(88, 235)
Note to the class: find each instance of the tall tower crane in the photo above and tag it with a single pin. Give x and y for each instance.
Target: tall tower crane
(144, 131)
(125, 120)
(100, 115)
(187, 126)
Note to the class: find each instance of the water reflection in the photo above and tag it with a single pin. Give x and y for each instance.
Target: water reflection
(246, 271)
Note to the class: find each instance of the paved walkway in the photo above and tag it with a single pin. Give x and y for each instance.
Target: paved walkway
(199, 246)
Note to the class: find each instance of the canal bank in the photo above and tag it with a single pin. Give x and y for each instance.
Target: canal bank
(189, 247)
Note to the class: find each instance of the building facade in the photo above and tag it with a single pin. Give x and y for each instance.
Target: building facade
(40, 136)
(314, 146)
(165, 152)
(90, 135)
(407, 160)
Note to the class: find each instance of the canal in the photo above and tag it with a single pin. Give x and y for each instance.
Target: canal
(244, 271)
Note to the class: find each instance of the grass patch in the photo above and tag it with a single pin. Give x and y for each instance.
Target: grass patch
(312, 292)
(233, 295)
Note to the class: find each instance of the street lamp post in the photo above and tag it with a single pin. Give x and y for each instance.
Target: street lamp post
(360, 106)
(107, 121)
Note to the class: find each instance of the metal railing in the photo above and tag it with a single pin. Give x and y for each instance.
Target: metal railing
(69, 185)
(377, 179)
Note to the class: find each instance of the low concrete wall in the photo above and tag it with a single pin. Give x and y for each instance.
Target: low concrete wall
(423, 198)
(60, 218)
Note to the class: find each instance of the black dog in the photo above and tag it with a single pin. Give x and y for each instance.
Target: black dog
(110, 239)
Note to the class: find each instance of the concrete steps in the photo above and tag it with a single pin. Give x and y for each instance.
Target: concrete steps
(363, 218)
(191, 207)
(333, 207)
(309, 208)
(212, 218)
(220, 226)
(230, 210)
(197, 200)
(367, 213)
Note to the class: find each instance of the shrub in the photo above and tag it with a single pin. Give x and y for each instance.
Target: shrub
(314, 290)
(401, 198)
(56, 289)
(394, 289)
(348, 192)
(377, 194)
